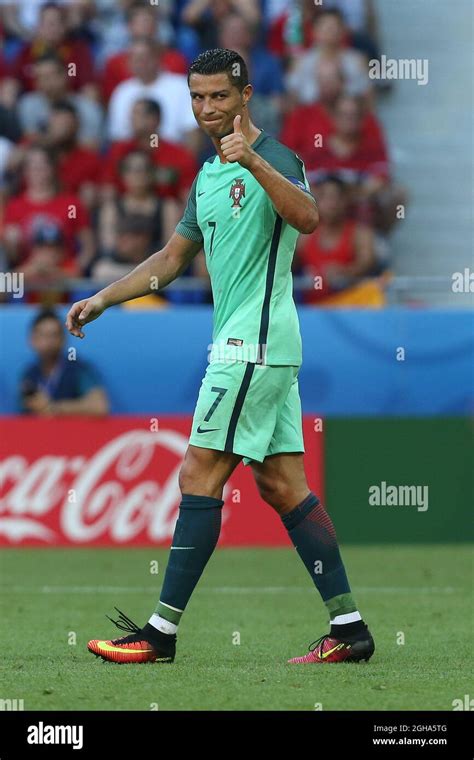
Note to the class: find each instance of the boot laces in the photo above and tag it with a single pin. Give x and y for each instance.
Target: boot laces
(318, 643)
(125, 624)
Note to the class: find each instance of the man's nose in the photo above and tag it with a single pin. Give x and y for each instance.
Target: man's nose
(208, 108)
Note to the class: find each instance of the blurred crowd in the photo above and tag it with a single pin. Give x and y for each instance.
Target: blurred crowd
(99, 146)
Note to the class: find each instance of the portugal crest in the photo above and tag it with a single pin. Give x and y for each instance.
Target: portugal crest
(237, 192)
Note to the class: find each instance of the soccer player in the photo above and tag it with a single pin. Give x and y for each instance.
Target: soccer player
(246, 208)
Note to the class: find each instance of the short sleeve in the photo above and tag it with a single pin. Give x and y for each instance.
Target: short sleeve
(188, 227)
(88, 378)
(289, 164)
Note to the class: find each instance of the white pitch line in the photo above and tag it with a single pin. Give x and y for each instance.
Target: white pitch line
(225, 590)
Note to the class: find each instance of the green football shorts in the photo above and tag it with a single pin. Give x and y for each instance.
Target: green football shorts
(249, 409)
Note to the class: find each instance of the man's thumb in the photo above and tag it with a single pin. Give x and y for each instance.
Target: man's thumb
(84, 313)
(238, 125)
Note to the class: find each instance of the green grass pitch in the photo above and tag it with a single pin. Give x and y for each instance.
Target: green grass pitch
(419, 594)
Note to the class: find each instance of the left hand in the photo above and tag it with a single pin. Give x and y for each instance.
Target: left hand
(39, 403)
(236, 148)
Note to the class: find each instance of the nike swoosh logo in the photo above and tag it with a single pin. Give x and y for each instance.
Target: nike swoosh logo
(107, 648)
(203, 193)
(207, 430)
(330, 651)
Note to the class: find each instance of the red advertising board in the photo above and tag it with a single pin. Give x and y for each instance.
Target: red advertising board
(114, 482)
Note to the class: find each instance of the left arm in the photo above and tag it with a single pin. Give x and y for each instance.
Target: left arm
(94, 403)
(295, 206)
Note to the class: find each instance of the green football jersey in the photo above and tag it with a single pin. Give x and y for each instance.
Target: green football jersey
(249, 250)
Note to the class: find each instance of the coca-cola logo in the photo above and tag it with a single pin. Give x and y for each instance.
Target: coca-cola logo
(115, 493)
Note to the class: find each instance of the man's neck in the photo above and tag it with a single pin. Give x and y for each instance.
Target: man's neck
(149, 80)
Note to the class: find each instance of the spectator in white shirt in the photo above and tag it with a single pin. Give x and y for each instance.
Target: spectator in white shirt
(170, 90)
(329, 31)
(52, 86)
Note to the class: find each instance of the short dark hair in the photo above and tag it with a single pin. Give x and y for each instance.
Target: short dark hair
(50, 154)
(332, 179)
(42, 316)
(218, 61)
(134, 152)
(137, 6)
(330, 12)
(51, 5)
(51, 58)
(152, 107)
(66, 107)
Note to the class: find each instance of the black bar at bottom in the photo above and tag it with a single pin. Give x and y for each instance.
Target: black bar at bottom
(325, 734)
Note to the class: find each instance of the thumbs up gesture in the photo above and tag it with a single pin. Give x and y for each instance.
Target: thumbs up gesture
(235, 146)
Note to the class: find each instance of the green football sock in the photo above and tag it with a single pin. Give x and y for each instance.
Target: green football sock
(312, 532)
(195, 537)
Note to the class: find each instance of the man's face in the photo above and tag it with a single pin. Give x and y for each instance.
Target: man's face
(50, 79)
(220, 8)
(47, 339)
(143, 23)
(51, 27)
(137, 173)
(62, 127)
(216, 102)
(47, 258)
(328, 30)
(143, 62)
(331, 201)
(143, 122)
(330, 81)
(348, 118)
(38, 170)
(234, 33)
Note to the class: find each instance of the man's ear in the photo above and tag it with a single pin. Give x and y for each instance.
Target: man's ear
(247, 93)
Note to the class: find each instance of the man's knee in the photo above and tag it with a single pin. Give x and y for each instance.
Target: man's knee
(204, 472)
(188, 474)
(276, 491)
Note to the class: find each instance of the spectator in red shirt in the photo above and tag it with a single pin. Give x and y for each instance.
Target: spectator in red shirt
(341, 251)
(308, 126)
(175, 165)
(360, 161)
(142, 22)
(47, 265)
(42, 203)
(53, 37)
(79, 167)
